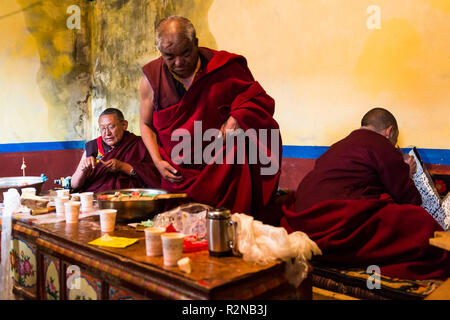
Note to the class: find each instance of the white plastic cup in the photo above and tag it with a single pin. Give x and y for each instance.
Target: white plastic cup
(153, 244)
(87, 200)
(107, 220)
(172, 244)
(62, 192)
(59, 204)
(72, 211)
(75, 196)
(28, 192)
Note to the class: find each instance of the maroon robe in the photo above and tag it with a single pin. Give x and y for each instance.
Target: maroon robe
(361, 208)
(224, 87)
(131, 149)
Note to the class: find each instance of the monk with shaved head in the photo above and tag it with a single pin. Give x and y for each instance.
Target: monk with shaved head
(200, 95)
(362, 208)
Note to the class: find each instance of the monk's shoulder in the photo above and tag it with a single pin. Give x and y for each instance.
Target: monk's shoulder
(223, 58)
(377, 146)
(91, 148)
(153, 67)
(135, 139)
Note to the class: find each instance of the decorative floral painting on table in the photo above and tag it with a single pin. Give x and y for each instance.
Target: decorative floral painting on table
(23, 263)
(82, 286)
(51, 276)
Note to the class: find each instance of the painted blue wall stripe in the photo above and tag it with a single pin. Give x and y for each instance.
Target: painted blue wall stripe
(41, 146)
(435, 156)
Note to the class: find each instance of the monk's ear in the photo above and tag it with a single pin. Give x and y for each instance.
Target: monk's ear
(125, 124)
(389, 131)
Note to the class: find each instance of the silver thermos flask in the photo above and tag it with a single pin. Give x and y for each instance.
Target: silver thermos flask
(221, 232)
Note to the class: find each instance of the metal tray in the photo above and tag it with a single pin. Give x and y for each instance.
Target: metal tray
(16, 183)
(133, 210)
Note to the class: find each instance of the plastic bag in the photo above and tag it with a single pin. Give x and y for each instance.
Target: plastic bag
(189, 219)
(11, 203)
(261, 243)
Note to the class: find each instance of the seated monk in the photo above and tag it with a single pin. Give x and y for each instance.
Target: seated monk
(115, 160)
(194, 90)
(361, 207)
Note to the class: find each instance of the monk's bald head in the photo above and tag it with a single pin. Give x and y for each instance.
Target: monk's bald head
(380, 120)
(176, 40)
(173, 28)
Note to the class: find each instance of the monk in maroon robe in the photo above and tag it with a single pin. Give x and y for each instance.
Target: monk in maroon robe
(195, 90)
(115, 160)
(361, 207)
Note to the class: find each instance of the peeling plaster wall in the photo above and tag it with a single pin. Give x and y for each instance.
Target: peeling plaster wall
(124, 42)
(45, 72)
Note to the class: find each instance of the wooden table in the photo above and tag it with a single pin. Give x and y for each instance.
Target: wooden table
(441, 240)
(441, 293)
(67, 267)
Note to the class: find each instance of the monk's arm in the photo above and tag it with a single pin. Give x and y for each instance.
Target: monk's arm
(149, 136)
(115, 165)
(395, 175)
(146, 118)
(84, 168)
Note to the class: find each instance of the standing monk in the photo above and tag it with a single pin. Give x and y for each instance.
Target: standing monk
(193, 90)
(116, 159)
(361, 207)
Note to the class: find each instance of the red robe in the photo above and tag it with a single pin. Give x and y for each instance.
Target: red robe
(131, 150)
(361, 208)
(224, 87)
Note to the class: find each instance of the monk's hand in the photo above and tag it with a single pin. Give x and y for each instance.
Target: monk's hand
(113, 165)
(228, 128)
(87, 165)
(411, 162)
(168, 172)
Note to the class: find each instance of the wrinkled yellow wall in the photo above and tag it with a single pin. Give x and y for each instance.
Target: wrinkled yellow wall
(317, 58)
(44, 72)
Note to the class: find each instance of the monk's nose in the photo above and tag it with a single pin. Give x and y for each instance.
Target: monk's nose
(178, 61)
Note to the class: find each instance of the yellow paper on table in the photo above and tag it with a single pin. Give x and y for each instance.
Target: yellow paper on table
(115, 242)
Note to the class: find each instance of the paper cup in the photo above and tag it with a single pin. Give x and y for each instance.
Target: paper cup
(87, 200)
(59, 205)
(28, 192)
(172, 244)
(72, 211)
(75, 196)
(62, 192)
(153, 244)
(107, 220)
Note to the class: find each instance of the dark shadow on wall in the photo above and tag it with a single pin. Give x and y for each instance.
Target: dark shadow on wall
(99, 65)
(124, 41)
(64, 77)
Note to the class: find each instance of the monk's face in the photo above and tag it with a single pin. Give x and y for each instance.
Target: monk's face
(179, 54)
(112, 129)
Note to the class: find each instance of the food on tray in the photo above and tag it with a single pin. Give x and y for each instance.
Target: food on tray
(148, 223)
(128, 196)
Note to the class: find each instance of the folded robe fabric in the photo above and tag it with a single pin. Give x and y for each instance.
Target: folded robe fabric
(361, 207)
(373, 232)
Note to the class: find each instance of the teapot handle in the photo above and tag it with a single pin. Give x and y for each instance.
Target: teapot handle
(233, 243)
